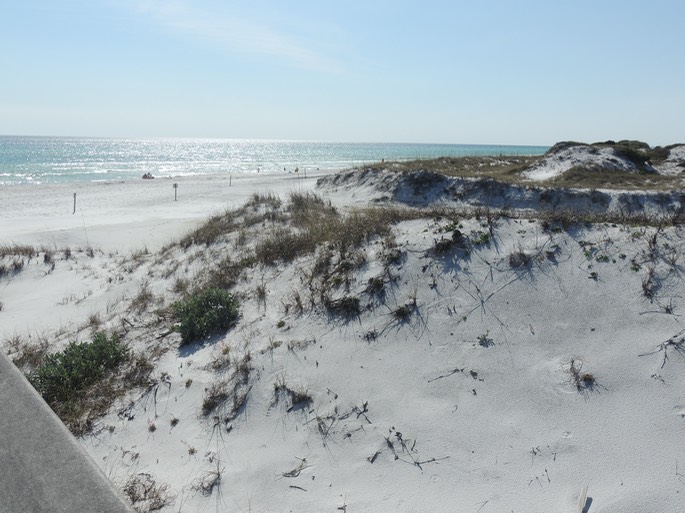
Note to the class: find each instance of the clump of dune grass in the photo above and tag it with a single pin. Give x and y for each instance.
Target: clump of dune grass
(258, 209)
(211, 230)
(589, 177)
(143, 299)
(519, 259)
(295, 397)
(283, 244)
(291, 230)
(27, 354)
(503, 168)
(15, 266)
(314, 222)
(225, 273)
(267, 200)
(229, 394)
(17, 250)
(346, 307)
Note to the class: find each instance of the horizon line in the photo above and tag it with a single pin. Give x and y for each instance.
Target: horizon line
(265, 139)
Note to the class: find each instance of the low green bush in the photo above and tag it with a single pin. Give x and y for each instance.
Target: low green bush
(80, 382)
(66, 375)
(207, 312)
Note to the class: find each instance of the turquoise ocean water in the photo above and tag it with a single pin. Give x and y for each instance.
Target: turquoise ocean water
(26, 160)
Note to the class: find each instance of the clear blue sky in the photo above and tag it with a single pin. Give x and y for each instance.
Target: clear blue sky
(500, 72)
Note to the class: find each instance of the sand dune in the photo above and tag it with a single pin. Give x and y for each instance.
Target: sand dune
(445, 363)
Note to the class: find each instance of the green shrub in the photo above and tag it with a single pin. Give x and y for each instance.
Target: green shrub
(80, 382)
(207, 312)
(65, 375)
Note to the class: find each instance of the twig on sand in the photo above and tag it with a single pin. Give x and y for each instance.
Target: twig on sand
(450, 373)
(362, 411)
(676, 343)
(297, 470)
(373, 457)
(432, 460)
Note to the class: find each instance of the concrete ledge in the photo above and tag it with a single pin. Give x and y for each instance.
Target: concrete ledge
(42, 467)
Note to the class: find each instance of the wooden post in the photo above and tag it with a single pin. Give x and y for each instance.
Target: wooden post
(175, 189)
(74, 204)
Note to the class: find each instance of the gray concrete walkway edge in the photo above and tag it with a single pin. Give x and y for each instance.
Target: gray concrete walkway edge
(43, 469)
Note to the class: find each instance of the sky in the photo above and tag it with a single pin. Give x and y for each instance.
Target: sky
(477, 72)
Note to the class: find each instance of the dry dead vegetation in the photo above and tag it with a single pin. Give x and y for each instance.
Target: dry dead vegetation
(145, 494)
(267, 232)
(15, 257)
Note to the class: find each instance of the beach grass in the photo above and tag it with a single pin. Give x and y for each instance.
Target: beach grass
(510, 169)
(594, 178)
(505, 168)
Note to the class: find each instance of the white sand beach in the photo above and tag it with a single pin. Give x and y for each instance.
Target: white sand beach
(459, 363)
(125, 215)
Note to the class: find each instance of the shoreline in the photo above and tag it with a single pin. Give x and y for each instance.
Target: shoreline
(52, 160)
(126, 215)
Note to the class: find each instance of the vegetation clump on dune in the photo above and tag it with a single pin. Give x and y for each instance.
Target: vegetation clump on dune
(569, 164)
(208, 312)
(81, 381)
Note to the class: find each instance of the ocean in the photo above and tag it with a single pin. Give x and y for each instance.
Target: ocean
(33, 160)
